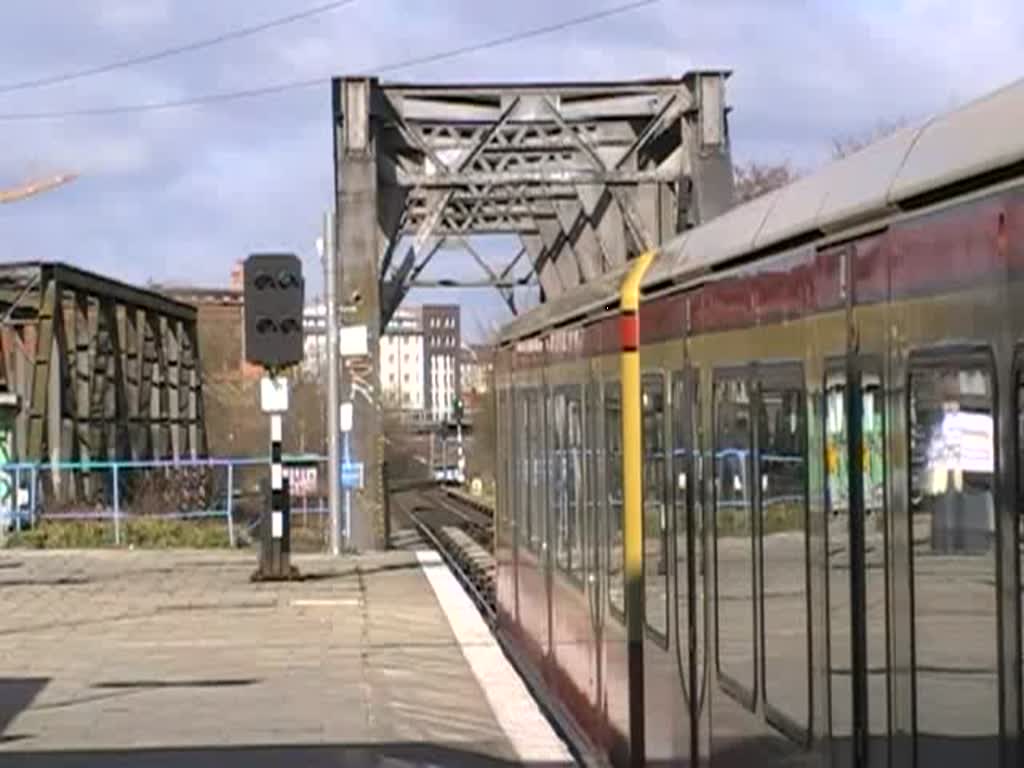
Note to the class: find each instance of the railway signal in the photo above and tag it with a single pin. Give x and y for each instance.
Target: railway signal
(274, 295)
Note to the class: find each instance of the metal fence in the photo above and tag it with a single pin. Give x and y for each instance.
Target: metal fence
(231, 490)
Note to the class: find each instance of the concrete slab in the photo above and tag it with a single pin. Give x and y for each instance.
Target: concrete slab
(175, 658)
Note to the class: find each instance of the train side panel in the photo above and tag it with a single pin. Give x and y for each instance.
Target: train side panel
(907, 615)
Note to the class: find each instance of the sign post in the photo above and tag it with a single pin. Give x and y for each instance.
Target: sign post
(275, 540)
(351, 473)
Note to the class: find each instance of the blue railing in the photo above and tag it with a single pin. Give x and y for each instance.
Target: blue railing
(23, 500)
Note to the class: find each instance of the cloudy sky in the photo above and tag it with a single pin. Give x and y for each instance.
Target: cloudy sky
(180, 194)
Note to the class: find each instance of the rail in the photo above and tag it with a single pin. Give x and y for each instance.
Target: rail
(467, 561)
(477, 502)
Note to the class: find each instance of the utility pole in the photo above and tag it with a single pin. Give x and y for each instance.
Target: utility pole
(330, 258)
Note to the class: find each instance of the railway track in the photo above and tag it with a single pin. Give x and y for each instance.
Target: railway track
(463, 533)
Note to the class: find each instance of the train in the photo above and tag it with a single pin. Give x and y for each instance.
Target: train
(759, 489)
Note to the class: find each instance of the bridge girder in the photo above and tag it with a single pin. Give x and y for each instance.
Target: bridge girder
(102, 370)
(586, 175)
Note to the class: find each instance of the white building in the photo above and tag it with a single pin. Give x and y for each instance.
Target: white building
(314, 340)
(402, 363)
(442, 330)
(442, 386)
(401, 371)
(419, 358)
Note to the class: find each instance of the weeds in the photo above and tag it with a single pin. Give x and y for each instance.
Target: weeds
(144, 533)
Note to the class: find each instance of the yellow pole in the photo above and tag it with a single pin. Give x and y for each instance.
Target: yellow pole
(632, 498)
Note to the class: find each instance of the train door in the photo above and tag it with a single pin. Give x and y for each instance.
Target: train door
(857, 563)
(954, 571)
(761, 574)
(687, 527)
(780, 494)
(533, 555)
(592, 538)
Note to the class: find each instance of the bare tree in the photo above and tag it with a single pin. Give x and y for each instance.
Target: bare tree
(754, 179)
(847, 145)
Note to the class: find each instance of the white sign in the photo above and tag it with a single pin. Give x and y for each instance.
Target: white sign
(352, 341)
(345, 417)
(301, 481)
(276, 525)
(965, 442)
(273, 394)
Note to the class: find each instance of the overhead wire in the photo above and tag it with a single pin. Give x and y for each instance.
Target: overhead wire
(178, 50)
(274, 88)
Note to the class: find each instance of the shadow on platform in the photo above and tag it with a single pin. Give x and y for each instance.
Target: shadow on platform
(392, 755)
(356, 571)
(16, 694)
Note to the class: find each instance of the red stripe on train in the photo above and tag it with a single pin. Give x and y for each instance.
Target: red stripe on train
(629, 330)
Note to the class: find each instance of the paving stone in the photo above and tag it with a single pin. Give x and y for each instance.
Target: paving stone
(178, 653)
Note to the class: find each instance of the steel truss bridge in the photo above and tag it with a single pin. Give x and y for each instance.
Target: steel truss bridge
(582, 176)
(92, 369)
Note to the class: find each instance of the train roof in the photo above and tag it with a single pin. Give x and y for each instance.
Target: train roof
(914, 164)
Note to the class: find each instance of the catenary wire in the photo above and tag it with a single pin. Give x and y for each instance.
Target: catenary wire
(293, 85)
(196, 45)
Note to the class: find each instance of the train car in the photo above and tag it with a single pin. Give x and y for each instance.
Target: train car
(785, 530)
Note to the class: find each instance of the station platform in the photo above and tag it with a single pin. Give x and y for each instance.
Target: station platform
(168, 659)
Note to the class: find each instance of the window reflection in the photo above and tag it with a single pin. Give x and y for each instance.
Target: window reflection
(874, 563)
(1020, 496)
(558, 508)
(952, 451)
(613, 489)
(574, 484)
(733, 534)
(784, 545)
(593, 454)
(537, 534)
(521, 469)
(688, 533)
(654, 519)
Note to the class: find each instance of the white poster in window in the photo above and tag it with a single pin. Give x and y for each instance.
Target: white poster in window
(964, 443)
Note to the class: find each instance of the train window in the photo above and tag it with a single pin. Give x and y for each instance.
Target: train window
(574, 484)
(734, 542)
(1019, 404)
(953, 529)
(558, 506)
(536, 502)
(686, 508)
(782, 478)
(873, 566)
(591, 539)
(655, 562)
(613, 495)
(505, 447)
(515, 441)
(523, 456)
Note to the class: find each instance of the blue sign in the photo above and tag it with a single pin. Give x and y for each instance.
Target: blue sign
(352, 474)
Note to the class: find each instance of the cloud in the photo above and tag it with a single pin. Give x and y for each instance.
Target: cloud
(126, 15)
(182, 194)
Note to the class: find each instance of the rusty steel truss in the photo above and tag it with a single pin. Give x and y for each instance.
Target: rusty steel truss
(100, 370)
(581, 177)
